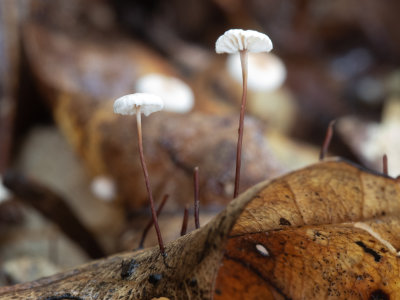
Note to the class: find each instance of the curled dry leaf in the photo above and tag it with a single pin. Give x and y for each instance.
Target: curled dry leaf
(328, 231)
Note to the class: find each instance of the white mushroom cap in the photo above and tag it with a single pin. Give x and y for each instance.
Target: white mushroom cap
(128, 104)
(103, 187)
(267, 71)
(235, 40)
(4, 192)
(177, 95)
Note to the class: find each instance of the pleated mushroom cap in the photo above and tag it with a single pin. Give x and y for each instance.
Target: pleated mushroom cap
(128, 104)
(235, 40)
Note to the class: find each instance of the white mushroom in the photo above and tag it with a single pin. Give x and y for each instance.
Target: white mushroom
(177, 95)
(4, 192)
(142, 102)
(103, 187)
(242, 41)
(236, 40)
(267, 71)
(136, 104)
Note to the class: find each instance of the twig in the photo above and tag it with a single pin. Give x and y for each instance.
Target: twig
(196, 197)
(55, 208)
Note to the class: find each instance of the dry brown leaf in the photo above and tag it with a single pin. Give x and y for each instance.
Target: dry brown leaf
(328, 231)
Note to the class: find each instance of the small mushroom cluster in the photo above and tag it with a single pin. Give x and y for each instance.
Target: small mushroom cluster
(232, 41)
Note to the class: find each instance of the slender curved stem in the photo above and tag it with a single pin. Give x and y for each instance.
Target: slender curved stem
(327, 141)
(185, 220)
(243, 60)
(146, 179)
(148, 226)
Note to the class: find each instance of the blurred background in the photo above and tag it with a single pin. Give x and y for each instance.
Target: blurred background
(72, 188)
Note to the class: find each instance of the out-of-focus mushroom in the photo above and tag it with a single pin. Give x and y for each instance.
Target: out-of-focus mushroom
(268, 99)
(371, 140)
(103, 187)
(4, 192)
(268, 72)
(177, 95)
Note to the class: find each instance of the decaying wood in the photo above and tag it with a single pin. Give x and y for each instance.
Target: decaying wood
(9, 63)
(328, 231)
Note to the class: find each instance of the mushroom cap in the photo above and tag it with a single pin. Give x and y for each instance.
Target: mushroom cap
(177, 95)
(235, 40)
(128, 104)
(4, 192)
(267, 71)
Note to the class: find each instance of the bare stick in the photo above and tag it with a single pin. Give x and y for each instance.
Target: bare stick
(385, 164)
(185, 221)
(148, 226)
(196, 197)
(243, 60)
(55, 208)
(146, 179)
(327, 141)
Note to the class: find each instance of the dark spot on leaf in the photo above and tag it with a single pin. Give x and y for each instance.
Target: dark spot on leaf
(283, 221)
(127, 268)
(64, 296)
(155, 278)
(193, 282)
(218, 292)
(370, 251)
(379, 295)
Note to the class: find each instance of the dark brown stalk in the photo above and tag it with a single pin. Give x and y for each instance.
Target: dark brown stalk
(196, 197)
(148, 226)
(385, 164)
(147, 181)
(243, 60)
(185, 220)
(327, 141)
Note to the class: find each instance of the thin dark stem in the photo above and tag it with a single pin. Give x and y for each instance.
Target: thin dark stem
(185, 220)
(327, 141)
(148, 226)
(196, 197)
(146, 179)
(385, 165)
(243, 60)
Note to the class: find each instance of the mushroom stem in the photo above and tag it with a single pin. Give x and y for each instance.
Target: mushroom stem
(385, 165)
(146, 179)
(243, 61)
(185, 220)
(196, 197)
(327, 141)
(148, 226)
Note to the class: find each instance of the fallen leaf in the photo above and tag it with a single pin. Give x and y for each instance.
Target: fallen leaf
(328, 231)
